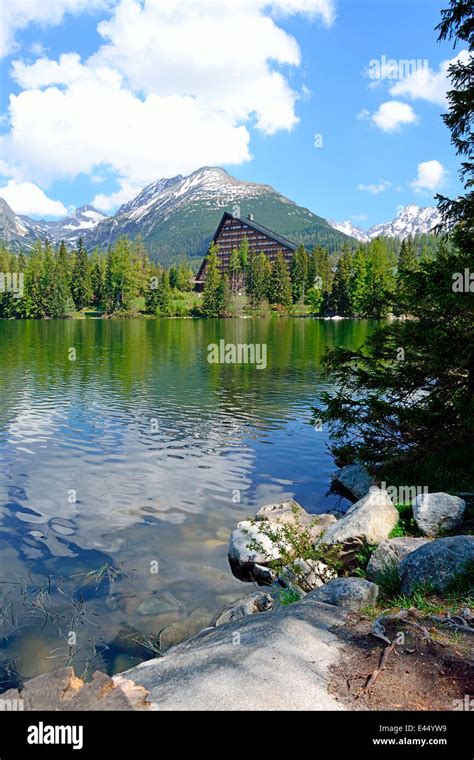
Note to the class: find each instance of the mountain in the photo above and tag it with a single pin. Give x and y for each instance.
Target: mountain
(20, 232)
(350, 229)
(412, 220)
(177, 217)
(82, 221)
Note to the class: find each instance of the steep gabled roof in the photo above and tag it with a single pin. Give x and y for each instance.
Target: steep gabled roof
(250, 223)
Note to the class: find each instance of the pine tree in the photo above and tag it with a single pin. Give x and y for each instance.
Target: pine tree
(341, 293)
(280, 282)
(407, 259)
(299, 273)
(98, 277)
(380, 278)
(258, 280)
(164, 294)
(210, 300)
(81, 280)
(359, 283)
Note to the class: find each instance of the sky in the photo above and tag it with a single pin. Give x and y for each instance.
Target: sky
(335, 103)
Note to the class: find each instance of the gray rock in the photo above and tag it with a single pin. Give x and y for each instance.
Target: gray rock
(159, 605)
(350, 593)
(353, 478)
(390, 553)
(307, 574)
(437, 563)
(368, 521)
(287, 511)
(279, 661)
(249, 605)
(436, 513)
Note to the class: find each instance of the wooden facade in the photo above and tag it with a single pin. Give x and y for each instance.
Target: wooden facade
(230, 234)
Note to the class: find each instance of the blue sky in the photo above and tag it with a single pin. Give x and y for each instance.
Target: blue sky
(100, 97)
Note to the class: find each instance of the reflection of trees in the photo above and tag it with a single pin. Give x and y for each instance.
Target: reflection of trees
(149, 362)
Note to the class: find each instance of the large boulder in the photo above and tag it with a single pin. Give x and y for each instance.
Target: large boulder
(353, 478)
(276, 661)
(390, 553)
(436, 564)
(249, 605)
(350, 593)
(368, 521)
(436, 513)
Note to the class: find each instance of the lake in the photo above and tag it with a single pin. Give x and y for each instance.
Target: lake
(126, 459)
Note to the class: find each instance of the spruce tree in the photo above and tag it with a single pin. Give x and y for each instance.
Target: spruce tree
(280, 282)
(81, 280)
(341, 301)
(210, 299)
(299, 273)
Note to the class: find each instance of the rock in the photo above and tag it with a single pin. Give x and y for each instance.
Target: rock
(390, 553)
(288, 511)
(350, 593)
(158, 605)
(251, 550)
(307, 574)
(436, 513)
(437, 563)
(368, 521)
(249, 605)
(353, 478)
(248, 547)
(278, 661)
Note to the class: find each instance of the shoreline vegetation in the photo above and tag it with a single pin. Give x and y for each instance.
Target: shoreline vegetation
(59, 283)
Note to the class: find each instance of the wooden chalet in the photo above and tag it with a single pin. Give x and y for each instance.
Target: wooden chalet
(230, 234)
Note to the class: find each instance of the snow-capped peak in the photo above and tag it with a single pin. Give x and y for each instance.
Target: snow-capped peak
(350, 229)
(210, 183)
(411, 220)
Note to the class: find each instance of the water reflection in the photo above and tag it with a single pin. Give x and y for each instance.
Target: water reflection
(141, 452)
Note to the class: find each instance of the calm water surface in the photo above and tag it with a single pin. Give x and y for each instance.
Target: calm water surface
(139, 457)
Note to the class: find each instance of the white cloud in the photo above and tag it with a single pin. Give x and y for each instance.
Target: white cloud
(375, 188)
(363, 114)
(426, 84)
(126, 192)
(169, 90)
(27, 198)
(19, 14)
(431, 177)
(390, 116)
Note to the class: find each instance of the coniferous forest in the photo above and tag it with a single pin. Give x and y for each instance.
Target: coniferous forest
(60, 282)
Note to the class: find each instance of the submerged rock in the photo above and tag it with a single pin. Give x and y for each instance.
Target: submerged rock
(350, 593)
(437, 564)
(436, 513)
